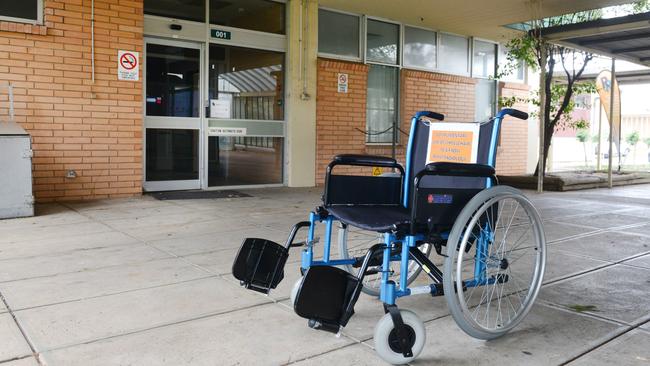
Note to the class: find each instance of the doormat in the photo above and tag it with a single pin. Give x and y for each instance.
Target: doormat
(195, 195)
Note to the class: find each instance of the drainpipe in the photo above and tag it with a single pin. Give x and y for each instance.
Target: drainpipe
(611, 124)
(92, 39)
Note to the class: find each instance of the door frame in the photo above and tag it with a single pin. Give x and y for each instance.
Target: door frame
(183, 123)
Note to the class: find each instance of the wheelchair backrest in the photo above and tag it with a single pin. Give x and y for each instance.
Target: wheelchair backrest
(441, 198)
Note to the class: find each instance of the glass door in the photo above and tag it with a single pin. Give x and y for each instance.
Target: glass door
(173, 134)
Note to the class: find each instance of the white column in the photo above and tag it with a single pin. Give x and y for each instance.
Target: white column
(302, 38)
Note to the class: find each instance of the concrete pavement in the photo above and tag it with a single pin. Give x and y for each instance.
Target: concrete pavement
(147, 282)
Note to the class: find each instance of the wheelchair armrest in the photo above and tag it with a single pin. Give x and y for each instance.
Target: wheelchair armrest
(460, 169)
(364, 160)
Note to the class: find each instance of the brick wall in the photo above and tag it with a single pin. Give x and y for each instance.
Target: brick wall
(512, 152)
(340, 116)
(92, 128)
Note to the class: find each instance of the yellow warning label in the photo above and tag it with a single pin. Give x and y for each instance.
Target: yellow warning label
(376, 171)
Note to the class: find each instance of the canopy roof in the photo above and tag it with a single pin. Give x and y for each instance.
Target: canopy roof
(626, 38)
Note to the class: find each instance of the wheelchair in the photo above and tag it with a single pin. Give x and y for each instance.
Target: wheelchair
(489, 237)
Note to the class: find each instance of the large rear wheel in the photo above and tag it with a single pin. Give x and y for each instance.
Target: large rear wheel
(496, 255)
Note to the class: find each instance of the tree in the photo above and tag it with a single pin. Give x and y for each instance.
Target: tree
(583, 136)
(529, 48)
(632, 139)
(559, 101)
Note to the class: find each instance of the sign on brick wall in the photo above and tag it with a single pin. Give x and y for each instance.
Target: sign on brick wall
(127, 65)
(343, 83)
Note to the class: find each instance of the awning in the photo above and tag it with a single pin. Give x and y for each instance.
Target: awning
(624, 38)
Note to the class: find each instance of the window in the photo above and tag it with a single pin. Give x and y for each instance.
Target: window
(338, 34)
(180, 9)
(25, 11)
(382, 42)
(257, 15)
(419, 48)
(484, 59)
(246, 83)
(172, 83)
(486, 99)
(454, 54)
(381, 104)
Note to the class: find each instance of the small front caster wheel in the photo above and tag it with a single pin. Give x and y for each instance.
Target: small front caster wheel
(387, 342)
(294, 291)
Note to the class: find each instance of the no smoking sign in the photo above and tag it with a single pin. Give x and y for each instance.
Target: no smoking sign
(127, 65)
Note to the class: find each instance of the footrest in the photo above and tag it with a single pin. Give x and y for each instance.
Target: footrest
(259, 264)
(327, 296)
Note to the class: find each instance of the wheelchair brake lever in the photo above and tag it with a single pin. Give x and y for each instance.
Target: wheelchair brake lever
(304, 242)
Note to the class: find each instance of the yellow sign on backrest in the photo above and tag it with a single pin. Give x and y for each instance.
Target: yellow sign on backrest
(453, 142)
(376, 171)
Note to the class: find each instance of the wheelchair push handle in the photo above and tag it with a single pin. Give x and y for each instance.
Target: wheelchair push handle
(512, 112)
(429, 114)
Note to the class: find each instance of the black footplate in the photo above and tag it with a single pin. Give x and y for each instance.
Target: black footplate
(326, 297)
(259, 264)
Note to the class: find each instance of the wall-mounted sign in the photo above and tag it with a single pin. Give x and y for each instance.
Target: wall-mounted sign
(227, 131)
(343, 83)
(453, 142)
(220, 108)
(220, 34)
(127, 65)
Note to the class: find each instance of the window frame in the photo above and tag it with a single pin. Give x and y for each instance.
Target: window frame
(470, 54)
(511, 79)
(37, 21)
(420, 68)
(400, 40)
(362, 43)
(398, 66)
(496, 58)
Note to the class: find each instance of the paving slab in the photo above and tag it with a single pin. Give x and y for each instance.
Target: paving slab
(157, 232)
(13, 342)
(78, 260)
(3, 308)
(555, 231)
(357, 354)
(65, 243)
(643, 261)
(27, 361)
(12, 235)
(135, 211)
(546, 337)
(630, 349)
(619, 293)
(605, 220)
(92, 283)
(643, 212)
(211, 242)
(557, 212)
(640, 230)
(609, 246)
(97, 318)
(47, 214)
(560, 264)
(264, 335)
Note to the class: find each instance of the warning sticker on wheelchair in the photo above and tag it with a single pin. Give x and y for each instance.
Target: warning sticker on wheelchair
(376, 171)
(453, 142)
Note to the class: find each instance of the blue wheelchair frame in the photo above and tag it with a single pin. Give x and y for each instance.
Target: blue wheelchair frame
(389, 291)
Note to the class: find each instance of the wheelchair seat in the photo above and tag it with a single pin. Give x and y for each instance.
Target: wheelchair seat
(379, 218)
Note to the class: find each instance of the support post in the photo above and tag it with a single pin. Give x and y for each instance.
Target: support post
(611, 123)
(542, 124)
(600, 132)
